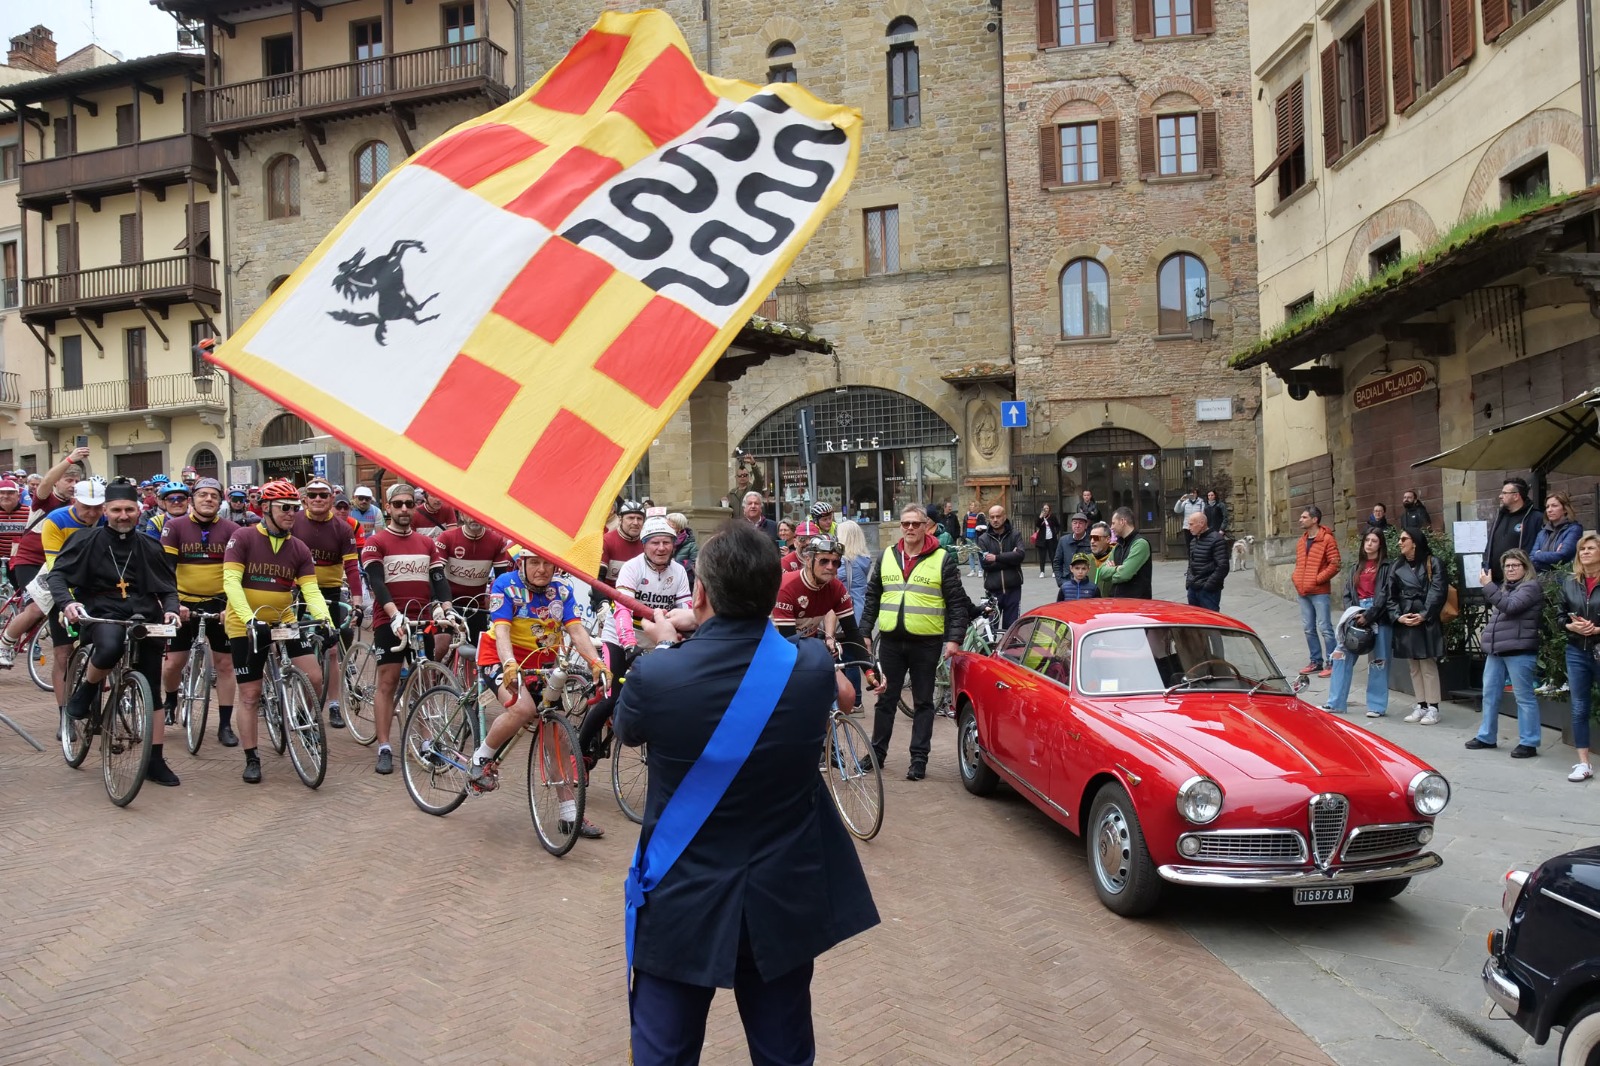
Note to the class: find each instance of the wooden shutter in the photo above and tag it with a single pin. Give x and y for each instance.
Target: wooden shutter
(1048, 31)
(1377, 95)
(1297, 112)
(1405, 78)
(1460, 29)
(66, 248)
(1205, 19)
(1144, 19)
(1281, 113)
(1496, 19)
(1105, 20)
(1147, 146)
(129, 226)
(1110, 170)
(1332, 144)
(1210, 147)
(1050, 156)
(127, 129)
(63, 138)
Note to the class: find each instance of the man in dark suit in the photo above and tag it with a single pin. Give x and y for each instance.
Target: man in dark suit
(771, 879)
(755, 513)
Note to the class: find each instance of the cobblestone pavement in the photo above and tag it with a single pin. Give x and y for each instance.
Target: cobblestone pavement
(220, 922)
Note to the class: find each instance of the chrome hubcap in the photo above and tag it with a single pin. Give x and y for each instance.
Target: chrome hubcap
(1112, 851)
(969, 746)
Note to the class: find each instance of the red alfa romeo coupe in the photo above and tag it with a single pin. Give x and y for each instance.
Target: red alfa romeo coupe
(1168, 739)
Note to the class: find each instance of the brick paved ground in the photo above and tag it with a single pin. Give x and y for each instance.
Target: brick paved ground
(220, 922)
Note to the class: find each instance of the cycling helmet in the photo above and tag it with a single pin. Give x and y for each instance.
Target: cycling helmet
(91, 491)
(159, 479)
(630, 507)
(237, 493)
(806, 529)
(209, 483)
(173, 488)
(822, 543)
(279, 489)
(819, 509)
(657, 526)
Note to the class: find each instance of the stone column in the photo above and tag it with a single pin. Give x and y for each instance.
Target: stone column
(709, 452)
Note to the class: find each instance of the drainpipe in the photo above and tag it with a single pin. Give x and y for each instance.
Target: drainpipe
(996, 15)
(1591, 145)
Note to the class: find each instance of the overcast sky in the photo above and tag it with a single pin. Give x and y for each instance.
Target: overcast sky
(132, 27)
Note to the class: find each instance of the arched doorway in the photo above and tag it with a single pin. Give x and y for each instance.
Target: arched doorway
(206, 463)
(1123, 469)
(876, 451)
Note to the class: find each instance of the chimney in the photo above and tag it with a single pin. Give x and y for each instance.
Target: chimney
(34, 50)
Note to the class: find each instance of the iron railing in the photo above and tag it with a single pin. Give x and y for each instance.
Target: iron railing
(120, 397)
(126, 280)
(791, 308)
(10, 389)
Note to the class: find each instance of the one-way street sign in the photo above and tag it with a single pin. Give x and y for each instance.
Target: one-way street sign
(1014, 414)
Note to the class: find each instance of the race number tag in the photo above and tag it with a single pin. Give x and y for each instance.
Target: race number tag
(161, 631)
(285, 633)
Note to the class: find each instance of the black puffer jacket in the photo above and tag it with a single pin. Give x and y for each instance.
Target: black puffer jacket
(1416, 590)
(1005, 544)
(1208, 562)
(1578, 602)
(1513, 626)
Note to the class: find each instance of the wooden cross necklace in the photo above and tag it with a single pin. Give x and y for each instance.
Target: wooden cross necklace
(122, 570)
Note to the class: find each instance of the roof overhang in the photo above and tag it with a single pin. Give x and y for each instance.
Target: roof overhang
(1004, 374)
(1564, 440)
(113, 75)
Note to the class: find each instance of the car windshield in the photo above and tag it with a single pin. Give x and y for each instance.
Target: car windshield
(1173, 659)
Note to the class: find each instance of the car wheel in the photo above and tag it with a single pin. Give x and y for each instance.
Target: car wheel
(976, 775)
(1580, 1044)
(1124, 877)
(1382, 890)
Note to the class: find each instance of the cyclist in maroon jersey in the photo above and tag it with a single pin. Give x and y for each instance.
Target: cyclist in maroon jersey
(333, 550)
(13, 521)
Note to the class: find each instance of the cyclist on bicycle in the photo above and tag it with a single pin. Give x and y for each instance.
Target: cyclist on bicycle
(261, 568)
(619, 545)
(657, 581)
(791, 562)
(113, 572)
(56, 490)
(13, 522)
(474, 556)
(406, 574)
(174, 503)
(194, 544)
(528, 612)
(813, 602)
(333, 550)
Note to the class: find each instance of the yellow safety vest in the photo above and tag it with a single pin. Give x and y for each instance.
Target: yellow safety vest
(917, 601)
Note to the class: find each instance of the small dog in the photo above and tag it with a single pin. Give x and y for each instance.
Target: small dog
(1241, 552)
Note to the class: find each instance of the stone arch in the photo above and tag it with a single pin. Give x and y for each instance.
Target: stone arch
(1387, 221)
(1177, 83)
(216, 468)
(1106, 257)
(1061, 98)
(274, 421)
(783, 28)
(1555, 127)
(927, 389)
(885, 13)
(1088, 416)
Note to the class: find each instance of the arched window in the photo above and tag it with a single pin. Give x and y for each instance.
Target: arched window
(905, 78)
(780, 60)
(286, 431)
(205, 463)
(283, 187)
(372, 163)
(1085, 300)
(1184, 292)
(272, 286)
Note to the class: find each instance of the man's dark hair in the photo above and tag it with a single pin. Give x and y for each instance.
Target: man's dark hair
(739, 567)
(1314, 511)
(1124, 513)
(1520, 485)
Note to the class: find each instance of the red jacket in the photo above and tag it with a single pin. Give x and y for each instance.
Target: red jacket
(1314, 569)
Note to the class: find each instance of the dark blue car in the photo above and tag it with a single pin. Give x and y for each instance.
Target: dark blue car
(1544, 967)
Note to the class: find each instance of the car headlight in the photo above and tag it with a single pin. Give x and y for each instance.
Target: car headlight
(1200, 800)
(1429, 793)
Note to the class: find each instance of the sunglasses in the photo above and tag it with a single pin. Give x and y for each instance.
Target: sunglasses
(341, 506)
(287, 508)
(403, 503)
(911, 525)
(316, 495)
(831, 564)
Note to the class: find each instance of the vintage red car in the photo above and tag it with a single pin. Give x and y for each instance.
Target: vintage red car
(1167, 738)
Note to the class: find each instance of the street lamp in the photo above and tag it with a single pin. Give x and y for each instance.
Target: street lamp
(1201, 326)
(202, 383)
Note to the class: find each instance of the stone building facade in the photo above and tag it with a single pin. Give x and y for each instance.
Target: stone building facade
(1128, 158)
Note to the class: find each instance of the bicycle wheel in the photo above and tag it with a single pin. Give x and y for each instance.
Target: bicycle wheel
(425, 675)
(126, 737)
(302, 722)
(630, 779)
(360, 682)
(76, 733)
(41, 654)
(555, 784)
(436, 746)
(194, 695)
(857, 787)
(272, 708)
(941, 690)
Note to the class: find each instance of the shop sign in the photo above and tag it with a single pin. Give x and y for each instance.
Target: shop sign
(1397, 384)
(1069, 464)
(1147, 462)
(1213, 410)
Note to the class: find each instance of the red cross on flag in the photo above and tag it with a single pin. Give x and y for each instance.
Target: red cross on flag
(511, 317)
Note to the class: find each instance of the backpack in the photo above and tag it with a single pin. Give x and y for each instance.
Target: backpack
(1452, 602)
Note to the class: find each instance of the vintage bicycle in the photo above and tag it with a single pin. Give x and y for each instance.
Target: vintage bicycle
(288, 701)
(197, 682)
(855, 780)
(125, 717)
(418, 673)
(982, 632)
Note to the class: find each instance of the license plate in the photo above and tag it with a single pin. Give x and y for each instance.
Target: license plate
(161, 631)
(1332, 894)
(285, 633)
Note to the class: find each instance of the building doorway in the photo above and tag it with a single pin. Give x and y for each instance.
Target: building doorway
(1123, 469)
(138, 466)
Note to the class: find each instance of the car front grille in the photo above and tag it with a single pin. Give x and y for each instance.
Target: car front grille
(1328, 814)
(1368, 842)
(1266, 846)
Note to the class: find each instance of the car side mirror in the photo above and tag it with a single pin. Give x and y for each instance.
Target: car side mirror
(1299, 684)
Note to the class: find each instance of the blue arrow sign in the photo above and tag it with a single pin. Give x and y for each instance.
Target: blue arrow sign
(1014, 414)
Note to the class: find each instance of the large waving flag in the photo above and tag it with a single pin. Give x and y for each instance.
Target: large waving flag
(512, 316)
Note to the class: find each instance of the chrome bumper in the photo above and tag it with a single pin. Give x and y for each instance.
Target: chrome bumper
(1501, 988)
(1277, 877)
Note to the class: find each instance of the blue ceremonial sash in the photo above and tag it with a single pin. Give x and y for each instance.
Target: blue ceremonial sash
(708, 779)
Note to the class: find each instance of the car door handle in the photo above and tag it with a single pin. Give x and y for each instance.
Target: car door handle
(1001, 685)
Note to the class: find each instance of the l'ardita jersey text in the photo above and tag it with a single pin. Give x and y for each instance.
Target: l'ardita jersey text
(406, 559)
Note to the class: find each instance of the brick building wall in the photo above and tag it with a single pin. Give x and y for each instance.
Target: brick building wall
(1132, 376)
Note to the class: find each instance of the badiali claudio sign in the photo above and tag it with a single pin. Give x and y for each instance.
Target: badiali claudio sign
(1393, 386)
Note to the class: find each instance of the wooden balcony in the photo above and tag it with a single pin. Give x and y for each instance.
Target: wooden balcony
(148, 284)
(426, 75)
(157, 164)
(162, 396)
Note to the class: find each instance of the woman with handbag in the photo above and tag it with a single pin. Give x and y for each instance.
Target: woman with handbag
(1510, 641)
(1046, 529)
(1366, 589)
(1416, 597)
(1578, 613)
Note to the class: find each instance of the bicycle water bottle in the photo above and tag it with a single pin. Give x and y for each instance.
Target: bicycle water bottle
(405, 672)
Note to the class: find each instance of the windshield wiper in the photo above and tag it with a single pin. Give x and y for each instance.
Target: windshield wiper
(1258, 684)
(1185, 683)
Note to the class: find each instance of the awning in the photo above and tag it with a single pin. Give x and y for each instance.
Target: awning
(1564, 439)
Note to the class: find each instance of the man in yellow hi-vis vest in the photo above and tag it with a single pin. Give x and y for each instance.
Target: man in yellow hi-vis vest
(914, 596)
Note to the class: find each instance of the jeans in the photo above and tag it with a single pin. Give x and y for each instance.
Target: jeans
(1315, 622)
(899, 656)
(1344, 666)
(1520, 669)
(1210, 599)
(1010, 606)
(1580, 679)
(973, 557)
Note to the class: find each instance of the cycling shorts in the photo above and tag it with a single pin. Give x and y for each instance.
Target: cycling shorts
(216, 632)
(250, 663)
